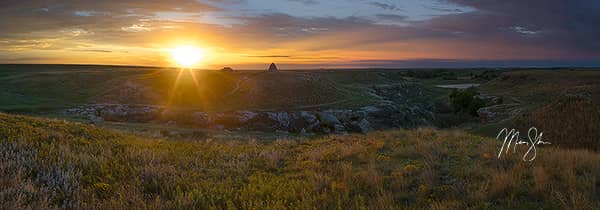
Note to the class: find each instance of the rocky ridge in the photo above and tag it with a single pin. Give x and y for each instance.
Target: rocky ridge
(310, 121)
(399, 106)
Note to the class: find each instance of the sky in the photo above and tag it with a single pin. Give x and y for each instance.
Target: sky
(301, 34)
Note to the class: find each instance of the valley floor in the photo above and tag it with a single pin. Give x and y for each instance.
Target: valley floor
(58, 164)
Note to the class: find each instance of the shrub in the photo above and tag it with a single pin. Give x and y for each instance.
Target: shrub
(466, 101)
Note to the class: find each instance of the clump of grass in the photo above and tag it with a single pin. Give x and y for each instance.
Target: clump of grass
(540, 178)
(102, 190)
(54, 164)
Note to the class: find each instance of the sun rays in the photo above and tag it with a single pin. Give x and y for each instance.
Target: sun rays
(177, 85)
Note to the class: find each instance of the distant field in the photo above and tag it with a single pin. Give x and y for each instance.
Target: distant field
(48, 87)
(35, 88)
(39, 88)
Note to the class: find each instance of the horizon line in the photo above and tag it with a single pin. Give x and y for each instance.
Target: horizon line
(332, 68)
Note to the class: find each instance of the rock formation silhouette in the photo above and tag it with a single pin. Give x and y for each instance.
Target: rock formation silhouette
(273, 68)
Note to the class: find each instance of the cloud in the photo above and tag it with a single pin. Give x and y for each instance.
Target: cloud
(137, 28)
(488, 30)
(25, 44)
(308, 2)
(268, 56)
(87, 13)
(571, 25)
(55, 14)
(392, 17)
(459, 63)
(384, 6)
(93, 50)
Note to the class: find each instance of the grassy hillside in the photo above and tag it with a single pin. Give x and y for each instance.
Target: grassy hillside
(223, 91)
(40, 88)
(34, 88)
(58, 164)
(535, 98)
(533, 87)
(578, 109)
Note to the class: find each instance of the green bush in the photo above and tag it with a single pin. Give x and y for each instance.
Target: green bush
(466, 101)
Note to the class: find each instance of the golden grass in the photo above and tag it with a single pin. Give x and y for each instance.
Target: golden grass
(55, 164)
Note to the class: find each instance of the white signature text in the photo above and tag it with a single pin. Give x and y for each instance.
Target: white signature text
(511, 137)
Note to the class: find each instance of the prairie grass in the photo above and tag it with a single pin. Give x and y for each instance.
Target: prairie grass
(49, 164)
(578, 124)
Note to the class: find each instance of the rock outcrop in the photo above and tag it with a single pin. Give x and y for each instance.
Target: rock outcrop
(396, 108)
(362, 126)
(273, 68)
(498, 112)
(326, 121)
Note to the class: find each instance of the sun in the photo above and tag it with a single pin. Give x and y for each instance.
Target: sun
(187, 56)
